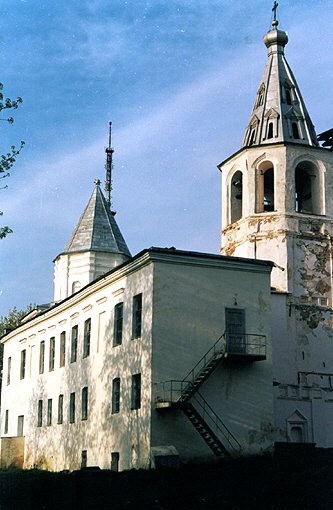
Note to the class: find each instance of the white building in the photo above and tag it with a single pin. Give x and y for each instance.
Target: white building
(87, 381)
(178, 353)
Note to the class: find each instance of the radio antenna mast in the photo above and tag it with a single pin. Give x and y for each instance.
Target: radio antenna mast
(108, 167)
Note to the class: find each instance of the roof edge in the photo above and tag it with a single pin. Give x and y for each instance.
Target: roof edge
(147, 255)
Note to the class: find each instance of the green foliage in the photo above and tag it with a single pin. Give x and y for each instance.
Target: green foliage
(7, 160)
(12, 320)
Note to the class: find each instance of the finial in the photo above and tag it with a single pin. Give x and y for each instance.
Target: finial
(108, 166)
(275, 21)
(97, 182)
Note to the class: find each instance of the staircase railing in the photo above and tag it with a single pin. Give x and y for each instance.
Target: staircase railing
(176, 391)
(245, 344)
(169, 391)
(217, 348)
(215, 423)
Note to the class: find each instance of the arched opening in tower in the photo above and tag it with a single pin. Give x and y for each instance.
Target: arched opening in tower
(236, 196)
(265, 188)
(269, 190)
(308, 189)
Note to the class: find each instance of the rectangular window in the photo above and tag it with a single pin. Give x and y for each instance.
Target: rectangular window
(74, 343)
(60, 409)
(137, 316)
(6, 422)
(9, 367)
(41, 357)
(118, 324)
(49, 412)
(40, 413)
(62, 348)
(86, 338)
(23, 360)
(136, 391)
(72, 408)
(52, 354)
(84, 459)
(116, 395)
(85, 403)
(20, 425)
(115, 461)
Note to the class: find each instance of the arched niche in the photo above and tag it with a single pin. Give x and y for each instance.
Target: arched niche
(76, 286)
(308, 188)
(265, 187)
(236, 196)
(297, 428)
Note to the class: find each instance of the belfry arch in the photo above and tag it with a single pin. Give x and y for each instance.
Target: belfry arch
(265, 187)
(236, 196)
(309, 188)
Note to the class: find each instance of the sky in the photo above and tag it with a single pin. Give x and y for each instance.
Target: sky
(178, 79)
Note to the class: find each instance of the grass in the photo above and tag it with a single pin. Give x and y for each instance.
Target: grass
(261, 483)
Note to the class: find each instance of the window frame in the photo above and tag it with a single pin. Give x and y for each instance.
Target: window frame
(40, 413)
(62, 348)
(49, 412)
(136, 392)
(72, 407)
(9, 369)
(23, 363)
(137, 316)
(42, 357)
(74, 342)
(20, 425)
(52, 354)
(60, 409)
(114, 461)
(86, 338)
(115, 402)
(84, 459)
(118, 322)
(84, 403)
(6, 426)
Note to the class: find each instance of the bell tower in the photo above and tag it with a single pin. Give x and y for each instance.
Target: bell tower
(276, 199)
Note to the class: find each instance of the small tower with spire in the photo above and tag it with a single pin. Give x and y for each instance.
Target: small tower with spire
(276, 200)
(96, 245)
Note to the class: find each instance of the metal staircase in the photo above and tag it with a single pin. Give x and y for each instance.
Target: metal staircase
(176, 394)
(184, 394)
(211, 428)
(200, 372)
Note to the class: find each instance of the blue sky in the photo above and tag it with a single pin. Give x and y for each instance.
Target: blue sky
(177, 78)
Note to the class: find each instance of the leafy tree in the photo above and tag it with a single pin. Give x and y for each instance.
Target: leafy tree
(12, 320)
(7, 160)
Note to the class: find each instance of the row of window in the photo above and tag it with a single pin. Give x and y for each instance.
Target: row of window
(135, 393)
(136, 320)
(135, 404)
(20, 424)
(117, 340)
(72, 411)
(84, 456)
(295, 130)
(288, 94)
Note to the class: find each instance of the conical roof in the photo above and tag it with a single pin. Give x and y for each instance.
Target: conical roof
(279, 113)
(97, 229)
